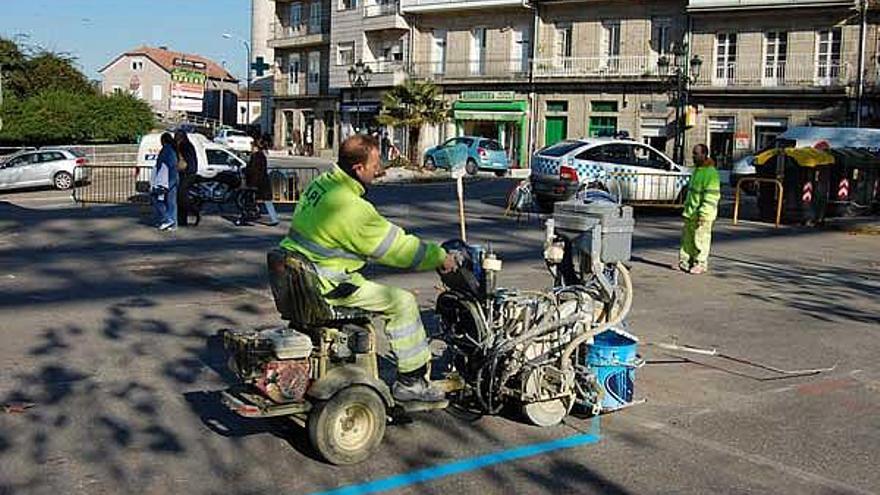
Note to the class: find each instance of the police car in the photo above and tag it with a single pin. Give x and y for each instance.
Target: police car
(635, 171)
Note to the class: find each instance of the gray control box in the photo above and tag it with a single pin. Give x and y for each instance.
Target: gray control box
(579, 219)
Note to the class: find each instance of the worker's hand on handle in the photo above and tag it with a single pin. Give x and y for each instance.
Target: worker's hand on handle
(450, 264)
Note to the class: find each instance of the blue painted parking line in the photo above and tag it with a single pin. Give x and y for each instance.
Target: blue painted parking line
(469, 464)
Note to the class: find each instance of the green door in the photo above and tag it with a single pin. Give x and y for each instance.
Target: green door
(556, 130)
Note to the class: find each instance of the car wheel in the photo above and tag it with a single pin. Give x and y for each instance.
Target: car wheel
(429, 163)
(471, 167)
(62, 181)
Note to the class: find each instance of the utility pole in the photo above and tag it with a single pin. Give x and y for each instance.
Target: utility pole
(860, 89)
(1, 97)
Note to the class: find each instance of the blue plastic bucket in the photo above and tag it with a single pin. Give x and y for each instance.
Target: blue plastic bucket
(612, 356)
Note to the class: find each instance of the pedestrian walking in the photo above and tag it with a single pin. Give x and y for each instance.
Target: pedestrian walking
(256, 175)
(164, 184)
(700, 211)
(188, 169)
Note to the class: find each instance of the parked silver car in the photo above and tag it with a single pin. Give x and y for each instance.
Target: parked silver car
(44, 167)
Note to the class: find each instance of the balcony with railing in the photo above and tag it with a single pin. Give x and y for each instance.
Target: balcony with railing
(382, 73)
(287, 86)
(300, 35)
(468, 70)
(381, 16)
(418, 6)
(608, 67)
(792, 74)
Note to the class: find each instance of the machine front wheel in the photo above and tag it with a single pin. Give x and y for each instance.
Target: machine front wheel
(347, 428)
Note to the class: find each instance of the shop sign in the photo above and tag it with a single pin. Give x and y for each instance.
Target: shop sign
(487, 95)
(741, 140)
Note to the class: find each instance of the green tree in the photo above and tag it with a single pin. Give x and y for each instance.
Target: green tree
(48, 101)
(413, 105)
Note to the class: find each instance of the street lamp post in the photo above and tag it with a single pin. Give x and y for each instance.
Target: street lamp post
(359, 76)
(680, 72)
(247, 47)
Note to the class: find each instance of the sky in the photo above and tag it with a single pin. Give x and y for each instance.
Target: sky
(96, 31)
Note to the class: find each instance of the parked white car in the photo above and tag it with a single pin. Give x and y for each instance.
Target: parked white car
(44, 167)
(236, 140)
(635, 171)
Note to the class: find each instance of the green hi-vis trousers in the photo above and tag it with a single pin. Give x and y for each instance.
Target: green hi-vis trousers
(403, 323)
(696, 239)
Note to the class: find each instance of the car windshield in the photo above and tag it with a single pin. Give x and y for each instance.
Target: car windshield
(77, 153)
(491, 145)
(561, 148)
(236, 134)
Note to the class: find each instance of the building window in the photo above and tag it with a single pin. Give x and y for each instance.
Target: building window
(520, 50)
(775, 53)
(314, 77)
(828, 56)
(557, 106)
(603, 106)
(157, 92)
(293, 71)
(137, 65)
(602, 126)
(315, 17)
(295, 17)
(348, 4)
(563, 46)
(345, 53)
(611, 45)
(725, 58)
(661, 35)
(438, 51)
(116, 89)
(478, 51)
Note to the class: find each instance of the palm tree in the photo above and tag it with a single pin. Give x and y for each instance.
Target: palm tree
(413, 104)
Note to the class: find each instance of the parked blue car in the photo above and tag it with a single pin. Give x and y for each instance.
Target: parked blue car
(472, 152)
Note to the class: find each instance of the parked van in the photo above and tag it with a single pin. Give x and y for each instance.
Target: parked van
(213, 158)
(815, 137)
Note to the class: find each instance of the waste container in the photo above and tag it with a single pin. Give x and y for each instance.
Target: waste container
(806, 176)
(855, 182)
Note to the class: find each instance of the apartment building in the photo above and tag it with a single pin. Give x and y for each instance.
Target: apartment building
(375, 33)
(769, 65)
(532, 73)
(478, 52)
(305, 110)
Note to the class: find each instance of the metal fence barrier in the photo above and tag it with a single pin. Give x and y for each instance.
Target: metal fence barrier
(111, 184)
(123, 182)
(667, 190)
(288, 183)
(756, 180)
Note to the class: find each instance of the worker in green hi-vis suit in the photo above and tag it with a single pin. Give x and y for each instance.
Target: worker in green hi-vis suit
(339, 231)
(700, 211)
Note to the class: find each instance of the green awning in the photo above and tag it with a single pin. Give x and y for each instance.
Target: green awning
(511, 111)
(476, 115)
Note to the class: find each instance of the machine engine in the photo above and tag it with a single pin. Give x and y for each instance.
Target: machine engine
(275, 361)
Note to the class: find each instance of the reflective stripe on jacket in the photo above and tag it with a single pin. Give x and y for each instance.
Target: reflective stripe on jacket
(339, 231)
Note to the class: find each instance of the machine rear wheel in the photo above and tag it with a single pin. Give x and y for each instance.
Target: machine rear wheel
(347, 428)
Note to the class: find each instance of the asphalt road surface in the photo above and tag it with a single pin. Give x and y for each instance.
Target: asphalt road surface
(108, 363)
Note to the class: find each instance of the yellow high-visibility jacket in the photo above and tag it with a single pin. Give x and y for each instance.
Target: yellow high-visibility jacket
(339, 231)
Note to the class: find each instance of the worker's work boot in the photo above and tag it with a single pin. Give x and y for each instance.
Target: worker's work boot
(420, 391)
(414, 387)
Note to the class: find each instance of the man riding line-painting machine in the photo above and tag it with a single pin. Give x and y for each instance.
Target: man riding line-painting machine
(544, 353)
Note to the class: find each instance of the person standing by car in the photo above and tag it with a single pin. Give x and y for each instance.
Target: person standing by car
(165, 184)
(700, 211)
(187, 167)
(256, 175)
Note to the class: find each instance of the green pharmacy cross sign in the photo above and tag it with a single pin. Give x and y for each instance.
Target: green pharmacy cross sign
(260, 66)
